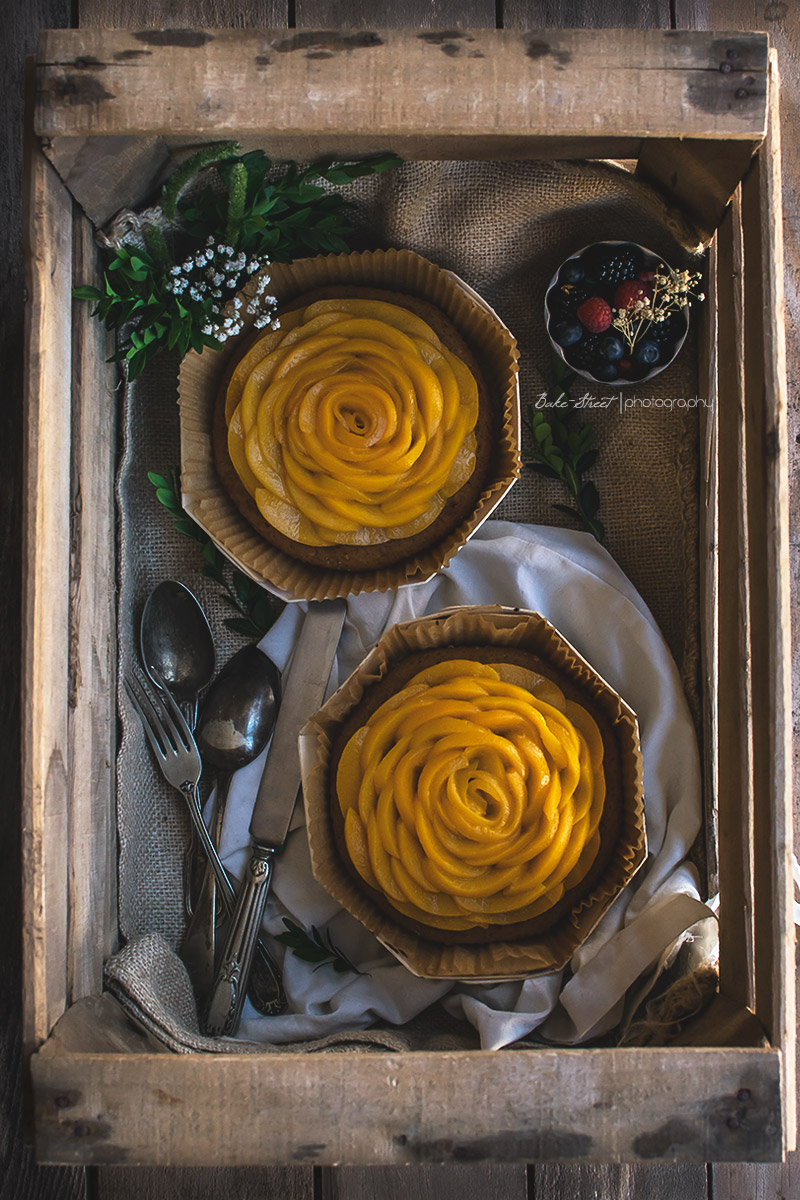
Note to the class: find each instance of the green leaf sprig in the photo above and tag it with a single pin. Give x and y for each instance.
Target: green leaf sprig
(565, 450)
(178, 290)
(257, 609)
(315, 947)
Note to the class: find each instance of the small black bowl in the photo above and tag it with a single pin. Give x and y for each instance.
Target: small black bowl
(580, 270)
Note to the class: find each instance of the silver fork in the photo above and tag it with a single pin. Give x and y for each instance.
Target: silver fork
(177, 755)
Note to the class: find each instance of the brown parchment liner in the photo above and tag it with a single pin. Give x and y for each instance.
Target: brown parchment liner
(201, 375)
(499, 959)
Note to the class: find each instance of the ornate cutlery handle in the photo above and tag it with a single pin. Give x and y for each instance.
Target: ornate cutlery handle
(266, 985)
(230, 985)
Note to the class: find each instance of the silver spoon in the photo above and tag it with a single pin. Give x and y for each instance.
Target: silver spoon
(234, 726)
(176, 643)
(177, 647)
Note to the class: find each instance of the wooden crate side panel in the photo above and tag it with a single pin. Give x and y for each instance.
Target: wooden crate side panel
(699, 176)
(770, 616)
(687, 1105)
(384, 83)
(92, 638)
(733, 698)
(709, 568)
(45, 649)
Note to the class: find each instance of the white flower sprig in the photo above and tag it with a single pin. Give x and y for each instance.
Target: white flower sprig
(211, 278)
(671, 293)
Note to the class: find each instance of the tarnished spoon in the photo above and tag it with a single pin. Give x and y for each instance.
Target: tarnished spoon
(234, 726)
(176, 643)
(177, 647)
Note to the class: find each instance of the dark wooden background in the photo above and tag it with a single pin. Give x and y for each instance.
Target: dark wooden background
(20, 1178)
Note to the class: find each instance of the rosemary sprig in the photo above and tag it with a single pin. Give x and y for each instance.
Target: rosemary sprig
(178, 289)
(566, 450)
(315, 947)
(256, 607)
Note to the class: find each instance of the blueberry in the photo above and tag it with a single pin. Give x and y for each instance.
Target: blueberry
(604, 371)
(568, 333)
(647, 353)
(571, 272)
(612, 349)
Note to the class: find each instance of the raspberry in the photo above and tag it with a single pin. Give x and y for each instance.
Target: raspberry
(594, 314)
(628, 293)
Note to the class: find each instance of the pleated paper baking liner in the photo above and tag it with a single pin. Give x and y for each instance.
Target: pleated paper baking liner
(503, 957)
(201, 376)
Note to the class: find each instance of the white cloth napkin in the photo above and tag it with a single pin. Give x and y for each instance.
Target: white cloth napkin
(576, 584)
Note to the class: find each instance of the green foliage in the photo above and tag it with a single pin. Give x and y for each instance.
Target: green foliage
(177, 292)
(566, 450)
(315, 947)
(256, 608)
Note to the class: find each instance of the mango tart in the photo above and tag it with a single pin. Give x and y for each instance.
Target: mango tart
(474, 797)
(356, 432)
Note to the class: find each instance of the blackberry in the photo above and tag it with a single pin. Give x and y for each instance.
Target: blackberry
(586, 353)
(667, 332)
(613, 265)
(563, 301)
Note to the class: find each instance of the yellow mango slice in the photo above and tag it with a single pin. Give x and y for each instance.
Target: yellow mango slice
(472, 800)
(352, 422)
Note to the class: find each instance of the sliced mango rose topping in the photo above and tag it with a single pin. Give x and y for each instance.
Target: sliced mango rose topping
(352, 424)
(469, 800)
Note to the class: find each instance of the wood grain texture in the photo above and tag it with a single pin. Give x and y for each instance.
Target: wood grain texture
(768, 513)
(467, 1181)
(586, 14)
(211, 1183)
(660, 1181)
(92, 910)
(684, 1105)
(381, 14)
(782, 21)
(180, 14)
(20, 1177)
(45, 639)
(734, 707)
(504, 85)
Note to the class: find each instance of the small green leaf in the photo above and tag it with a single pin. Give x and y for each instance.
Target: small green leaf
(86, 292)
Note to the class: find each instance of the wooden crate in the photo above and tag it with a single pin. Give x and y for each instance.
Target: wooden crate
(698, 114)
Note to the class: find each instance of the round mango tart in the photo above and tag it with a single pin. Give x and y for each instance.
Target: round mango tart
(473, 796)
(351, 425)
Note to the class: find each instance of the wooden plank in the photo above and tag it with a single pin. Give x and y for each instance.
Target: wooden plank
(488, 87)
(212, 1183)
(734, 710)
(657, 1181)
(783, 23)
(586, 14)
(21, 1178)
(709, 567)
(45, 713)
(683, 1105)
(381, 14)
(92, 932)
(180, 14)
(699, 178)
(456, 1181)
(770, 613)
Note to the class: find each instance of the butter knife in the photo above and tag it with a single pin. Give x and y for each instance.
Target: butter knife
(303, 690)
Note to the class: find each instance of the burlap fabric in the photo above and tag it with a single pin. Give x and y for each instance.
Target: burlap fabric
(504, 228)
